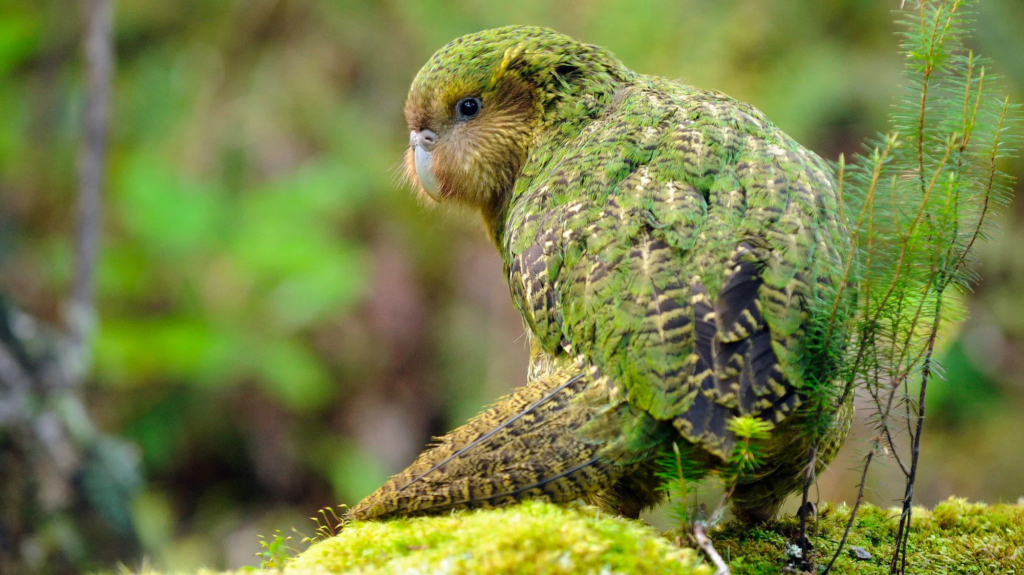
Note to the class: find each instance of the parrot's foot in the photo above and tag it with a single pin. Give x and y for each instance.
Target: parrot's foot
(808, 510)
(758, 503)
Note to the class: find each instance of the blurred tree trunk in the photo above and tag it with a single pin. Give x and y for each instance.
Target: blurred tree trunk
(65, 488)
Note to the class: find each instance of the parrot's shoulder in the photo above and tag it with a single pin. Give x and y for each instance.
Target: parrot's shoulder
(696, 108)
(653, 143)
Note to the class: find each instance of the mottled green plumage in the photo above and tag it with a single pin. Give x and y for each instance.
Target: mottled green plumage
(669, 249)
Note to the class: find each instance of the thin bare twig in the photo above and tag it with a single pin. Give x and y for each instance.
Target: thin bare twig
(809, 478)
(853, 512)
(899, 557)
(99, 66)
(721, 568)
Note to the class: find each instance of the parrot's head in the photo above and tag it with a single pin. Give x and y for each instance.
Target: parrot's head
(482, 101)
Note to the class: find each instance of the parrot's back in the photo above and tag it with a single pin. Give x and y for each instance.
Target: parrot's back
(683, 245)
(676, 259)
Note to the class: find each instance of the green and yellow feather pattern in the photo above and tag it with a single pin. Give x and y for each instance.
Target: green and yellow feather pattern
(668, 248)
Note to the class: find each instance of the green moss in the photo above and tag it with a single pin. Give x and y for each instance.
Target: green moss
(535, 537)
(532, 537)
(956, 537)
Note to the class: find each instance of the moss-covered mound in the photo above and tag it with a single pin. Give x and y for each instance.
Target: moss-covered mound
(530, 538)
(534, 537)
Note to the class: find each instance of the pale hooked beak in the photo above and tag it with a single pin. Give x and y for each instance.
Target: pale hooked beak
(422, 142)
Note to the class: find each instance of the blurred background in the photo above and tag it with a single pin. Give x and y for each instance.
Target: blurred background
(280, 325)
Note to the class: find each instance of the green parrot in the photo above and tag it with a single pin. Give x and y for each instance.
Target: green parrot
(670, 251)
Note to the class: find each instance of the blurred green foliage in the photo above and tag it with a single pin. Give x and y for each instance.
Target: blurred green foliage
(282, 325)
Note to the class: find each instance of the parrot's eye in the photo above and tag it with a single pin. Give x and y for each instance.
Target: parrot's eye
(468, 108)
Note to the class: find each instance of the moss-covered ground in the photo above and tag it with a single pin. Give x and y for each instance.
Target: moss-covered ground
(534, 537)
(955, 537)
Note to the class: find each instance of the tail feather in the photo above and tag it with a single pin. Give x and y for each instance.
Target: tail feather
(482, 423)
(544, 441)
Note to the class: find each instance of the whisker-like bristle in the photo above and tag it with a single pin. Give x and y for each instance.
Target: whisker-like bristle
(400, 176)
(403, 175)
